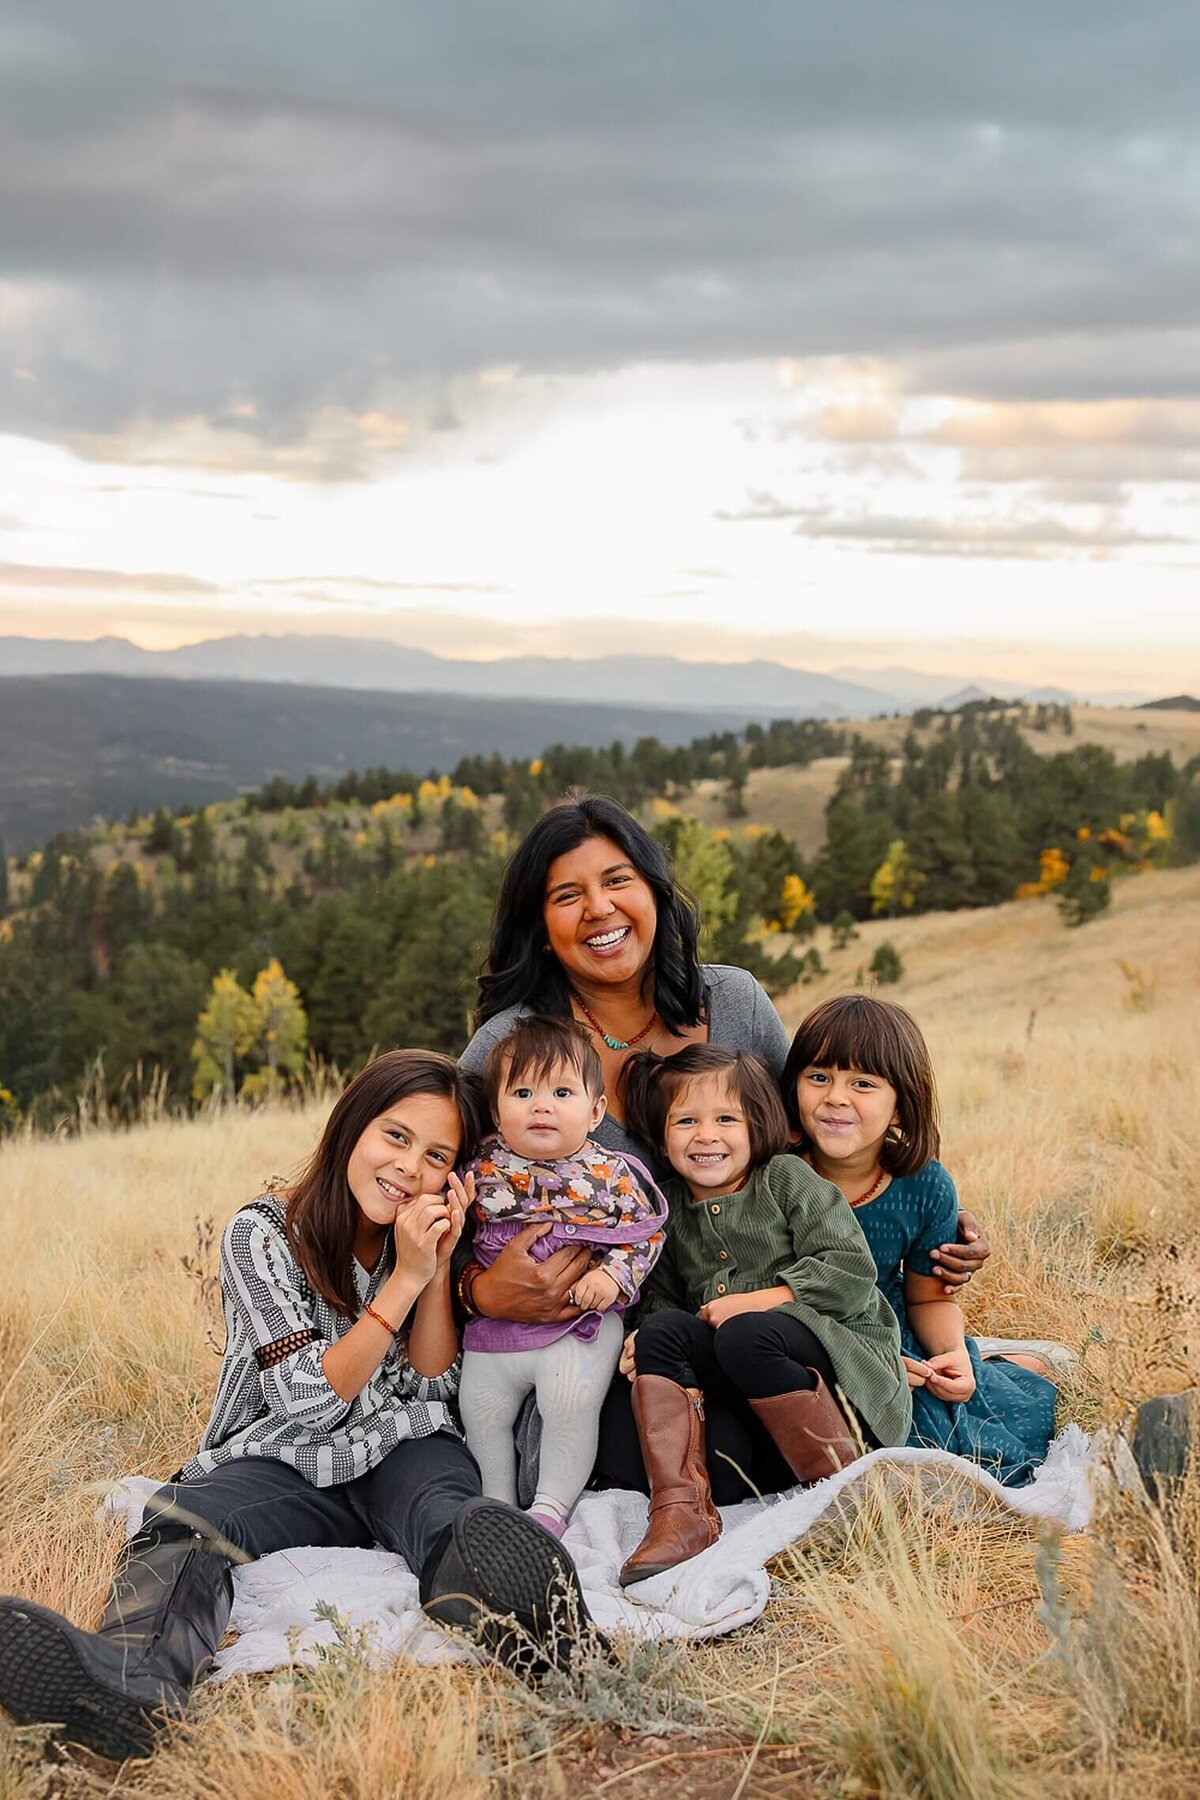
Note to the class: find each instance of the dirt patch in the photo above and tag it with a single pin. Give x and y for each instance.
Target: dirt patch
(678, 1767)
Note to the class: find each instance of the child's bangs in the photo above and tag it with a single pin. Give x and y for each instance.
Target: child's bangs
(540, 1064)
(849, 1039)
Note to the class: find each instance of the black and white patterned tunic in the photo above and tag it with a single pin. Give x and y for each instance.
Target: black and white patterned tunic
(272, 1397)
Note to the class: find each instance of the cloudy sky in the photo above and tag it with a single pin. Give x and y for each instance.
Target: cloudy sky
(844, 335)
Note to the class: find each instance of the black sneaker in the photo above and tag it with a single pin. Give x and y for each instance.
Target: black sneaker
(79, 1685)
(513, 1587)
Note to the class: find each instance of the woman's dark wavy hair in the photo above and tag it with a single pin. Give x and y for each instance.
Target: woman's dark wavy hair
(649, 1084)
(857, 1031)
(322, 1213)
(518, 972)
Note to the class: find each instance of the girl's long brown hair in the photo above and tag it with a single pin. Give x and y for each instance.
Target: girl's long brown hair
(322, 1213)
(857, 1031)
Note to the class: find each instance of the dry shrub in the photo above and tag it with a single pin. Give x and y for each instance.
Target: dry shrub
(1126, 1630)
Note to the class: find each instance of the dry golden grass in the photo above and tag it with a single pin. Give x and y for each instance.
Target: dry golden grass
(908, 1650)
(791, 800)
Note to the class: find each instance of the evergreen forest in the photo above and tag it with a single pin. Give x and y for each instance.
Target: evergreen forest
(160, 957)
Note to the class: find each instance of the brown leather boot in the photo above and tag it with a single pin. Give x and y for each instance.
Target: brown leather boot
(809, 1430)
(683, 1520)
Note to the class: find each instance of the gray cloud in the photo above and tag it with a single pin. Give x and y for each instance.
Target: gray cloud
(329, 212)
(1029, 534)
(24, 578)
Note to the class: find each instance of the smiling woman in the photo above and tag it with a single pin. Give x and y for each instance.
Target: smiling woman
(591, 924)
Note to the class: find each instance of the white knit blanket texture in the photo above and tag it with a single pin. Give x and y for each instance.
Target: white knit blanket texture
(727, 1586)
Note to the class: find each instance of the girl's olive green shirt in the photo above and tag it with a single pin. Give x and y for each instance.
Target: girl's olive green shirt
(788, 1225)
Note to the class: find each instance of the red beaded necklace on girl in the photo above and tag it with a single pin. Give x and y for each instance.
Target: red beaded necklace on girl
(873, 1189)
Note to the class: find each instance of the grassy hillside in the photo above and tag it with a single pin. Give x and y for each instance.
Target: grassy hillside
(903, 1653)
(793, 800)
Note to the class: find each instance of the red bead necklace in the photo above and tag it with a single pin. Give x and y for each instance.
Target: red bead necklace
(612, 1042)
(872, 1190)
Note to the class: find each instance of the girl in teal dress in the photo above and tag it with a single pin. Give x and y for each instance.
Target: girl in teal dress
(861, 1100)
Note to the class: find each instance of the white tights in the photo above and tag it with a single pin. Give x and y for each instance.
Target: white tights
(570, 1379)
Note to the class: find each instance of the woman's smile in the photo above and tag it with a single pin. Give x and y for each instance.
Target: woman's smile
(600, 915)
(608, 943)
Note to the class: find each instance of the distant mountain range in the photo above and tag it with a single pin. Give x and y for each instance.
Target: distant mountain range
(76, 746)
(749, 690)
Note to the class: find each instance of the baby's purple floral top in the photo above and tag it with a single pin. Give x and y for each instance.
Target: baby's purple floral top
(595, 1197)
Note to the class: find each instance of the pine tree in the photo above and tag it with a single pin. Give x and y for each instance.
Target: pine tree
(127, 907)
(885, 965)
(843, 929)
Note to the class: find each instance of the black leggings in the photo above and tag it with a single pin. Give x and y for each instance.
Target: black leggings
(404, 1503)
(753, 1356)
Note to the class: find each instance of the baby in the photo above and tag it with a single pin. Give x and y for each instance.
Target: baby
(546, 1090)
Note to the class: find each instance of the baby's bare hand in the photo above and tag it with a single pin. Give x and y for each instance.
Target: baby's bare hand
(596, 1291)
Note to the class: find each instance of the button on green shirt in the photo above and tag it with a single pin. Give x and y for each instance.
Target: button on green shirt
(788, 1225)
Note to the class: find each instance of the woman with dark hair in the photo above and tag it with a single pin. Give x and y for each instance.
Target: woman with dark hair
(533, 964)
(333, 1424)
(591, 924)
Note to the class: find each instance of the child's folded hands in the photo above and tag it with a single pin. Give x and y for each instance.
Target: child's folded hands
(950, 1375)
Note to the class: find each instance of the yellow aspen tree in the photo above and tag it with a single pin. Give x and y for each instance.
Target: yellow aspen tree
(225, 1032)
(895, 882)
(797, 905)
(282, 1038)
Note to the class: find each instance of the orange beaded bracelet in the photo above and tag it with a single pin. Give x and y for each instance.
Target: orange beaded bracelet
(465, 1287)
(370, 1313)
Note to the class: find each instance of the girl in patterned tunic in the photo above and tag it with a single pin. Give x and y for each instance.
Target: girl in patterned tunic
(333, 1424)
(546, 1088)
(862, 1103)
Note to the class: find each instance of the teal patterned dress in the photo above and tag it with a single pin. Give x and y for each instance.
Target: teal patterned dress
(1008, 1422)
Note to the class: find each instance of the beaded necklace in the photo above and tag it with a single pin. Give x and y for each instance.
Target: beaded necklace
(872, 1190)
(612, 1042)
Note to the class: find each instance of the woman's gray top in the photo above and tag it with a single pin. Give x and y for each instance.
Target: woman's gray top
(741, 1016)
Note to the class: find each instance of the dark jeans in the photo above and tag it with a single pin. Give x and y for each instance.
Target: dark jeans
(259, 1505)
(753, 1356)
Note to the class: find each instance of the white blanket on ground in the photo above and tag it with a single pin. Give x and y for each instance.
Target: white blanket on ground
(725, 1587)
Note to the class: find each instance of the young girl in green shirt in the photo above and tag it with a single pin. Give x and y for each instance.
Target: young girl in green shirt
(763, 1302)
